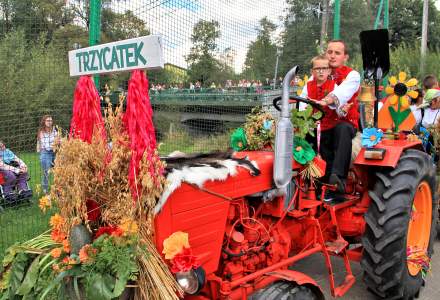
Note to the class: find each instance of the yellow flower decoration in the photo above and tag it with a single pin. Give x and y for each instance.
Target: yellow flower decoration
(128, 226)
(56, 221)
(398, 89)
(174, 244)
(45, 203)
(301, 84)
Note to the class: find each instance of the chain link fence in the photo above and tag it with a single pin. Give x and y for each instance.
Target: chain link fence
(222, 58)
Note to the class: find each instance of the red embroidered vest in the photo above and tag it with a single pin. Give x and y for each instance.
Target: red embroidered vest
(352, 117)
(316, 92)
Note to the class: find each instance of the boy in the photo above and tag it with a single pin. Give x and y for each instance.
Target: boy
(430, 82)
(339, 124)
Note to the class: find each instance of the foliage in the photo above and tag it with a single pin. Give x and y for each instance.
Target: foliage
(261, 55)
(305, 121)
(406, 57)
(259, 129)
(202, 61)
(301, 34)
(24, 93)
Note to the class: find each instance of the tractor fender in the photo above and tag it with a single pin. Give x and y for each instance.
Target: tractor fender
(393, 151)
(300, 279)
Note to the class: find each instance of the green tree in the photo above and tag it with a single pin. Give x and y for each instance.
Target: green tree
(300, 38)
(34, 17)
(203, 66)
(356, 16)
(261, 55)
(406, 22)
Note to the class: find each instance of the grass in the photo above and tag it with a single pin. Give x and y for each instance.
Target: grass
(23, 222)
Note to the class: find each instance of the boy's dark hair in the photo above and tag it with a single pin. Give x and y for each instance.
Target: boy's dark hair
(429, 81)
(318, 57)
(342, 42)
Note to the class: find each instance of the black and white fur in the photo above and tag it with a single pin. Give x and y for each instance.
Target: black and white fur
(198, 168)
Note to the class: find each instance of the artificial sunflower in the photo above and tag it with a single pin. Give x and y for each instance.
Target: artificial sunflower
(396, 113)
(398, 89)
(301, 83)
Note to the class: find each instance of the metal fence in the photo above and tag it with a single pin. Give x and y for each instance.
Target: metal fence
(222, 57)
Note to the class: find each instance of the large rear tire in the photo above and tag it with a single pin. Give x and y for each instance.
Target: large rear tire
(402, 217)
(284, 290)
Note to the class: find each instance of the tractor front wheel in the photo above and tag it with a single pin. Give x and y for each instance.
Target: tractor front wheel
(400, 232)
(285, 290)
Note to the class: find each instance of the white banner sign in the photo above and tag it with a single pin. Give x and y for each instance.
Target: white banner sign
(139, 53)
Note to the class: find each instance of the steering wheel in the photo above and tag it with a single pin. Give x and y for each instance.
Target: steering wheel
(293, 99)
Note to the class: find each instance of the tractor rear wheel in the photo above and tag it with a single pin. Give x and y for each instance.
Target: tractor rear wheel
(401, 225)
(284, 290)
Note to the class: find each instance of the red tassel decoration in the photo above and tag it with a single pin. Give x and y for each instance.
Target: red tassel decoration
(86, 111)
(138, 121)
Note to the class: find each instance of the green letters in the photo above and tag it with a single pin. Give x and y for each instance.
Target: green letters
(137, 53)
(114, 58)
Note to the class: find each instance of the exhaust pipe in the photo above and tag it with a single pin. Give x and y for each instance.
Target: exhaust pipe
(282, 167)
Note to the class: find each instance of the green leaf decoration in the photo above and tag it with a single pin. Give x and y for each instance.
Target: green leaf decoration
(17, 272)
(101, 287)
(120, 284)
(238, 139)
(305, 121)
(398, 116)
(317, 115)
(302, 151)
(75, 271)
(31, 277)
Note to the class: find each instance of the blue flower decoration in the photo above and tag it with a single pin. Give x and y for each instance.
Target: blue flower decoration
(424, 135)
(267, 124)
(371, 137)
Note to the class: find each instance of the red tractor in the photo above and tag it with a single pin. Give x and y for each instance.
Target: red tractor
(248, 234)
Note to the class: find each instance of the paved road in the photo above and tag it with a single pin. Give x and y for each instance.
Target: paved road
(314, 266)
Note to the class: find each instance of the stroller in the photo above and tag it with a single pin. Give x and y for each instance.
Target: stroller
(15, 198)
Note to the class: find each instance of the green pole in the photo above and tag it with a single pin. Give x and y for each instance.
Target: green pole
(386, 14)
(95, 29)
(379, 12)
(337, 20)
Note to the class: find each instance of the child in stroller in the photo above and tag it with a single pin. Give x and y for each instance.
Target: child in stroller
(13, 178)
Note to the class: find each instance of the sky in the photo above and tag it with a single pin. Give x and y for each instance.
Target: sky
(175, 19)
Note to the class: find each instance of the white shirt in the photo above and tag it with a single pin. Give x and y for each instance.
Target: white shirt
(431, 117)
(47, 140)
(417, 113)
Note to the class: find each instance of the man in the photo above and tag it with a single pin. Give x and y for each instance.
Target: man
(335, 143)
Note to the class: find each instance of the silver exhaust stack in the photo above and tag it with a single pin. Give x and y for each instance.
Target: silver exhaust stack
(282, 166)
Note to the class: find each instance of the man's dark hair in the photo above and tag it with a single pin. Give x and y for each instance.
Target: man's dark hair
(342, 42)
(429, 81)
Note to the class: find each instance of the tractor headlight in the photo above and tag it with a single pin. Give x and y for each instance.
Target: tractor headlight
(192, 281)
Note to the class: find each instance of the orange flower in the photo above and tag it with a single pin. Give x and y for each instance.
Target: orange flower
(56, 267)
(174, 244)
(66, 260)
(44, 203)
(56, 252)
(58, 236)
(56, 221)
(66, 246)
(85, 252)
(128, 226)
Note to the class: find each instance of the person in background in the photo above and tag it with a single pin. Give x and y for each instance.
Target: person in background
(416, 109)
(47, 137)
(430, 82)
(15, 173)
(431, 103)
